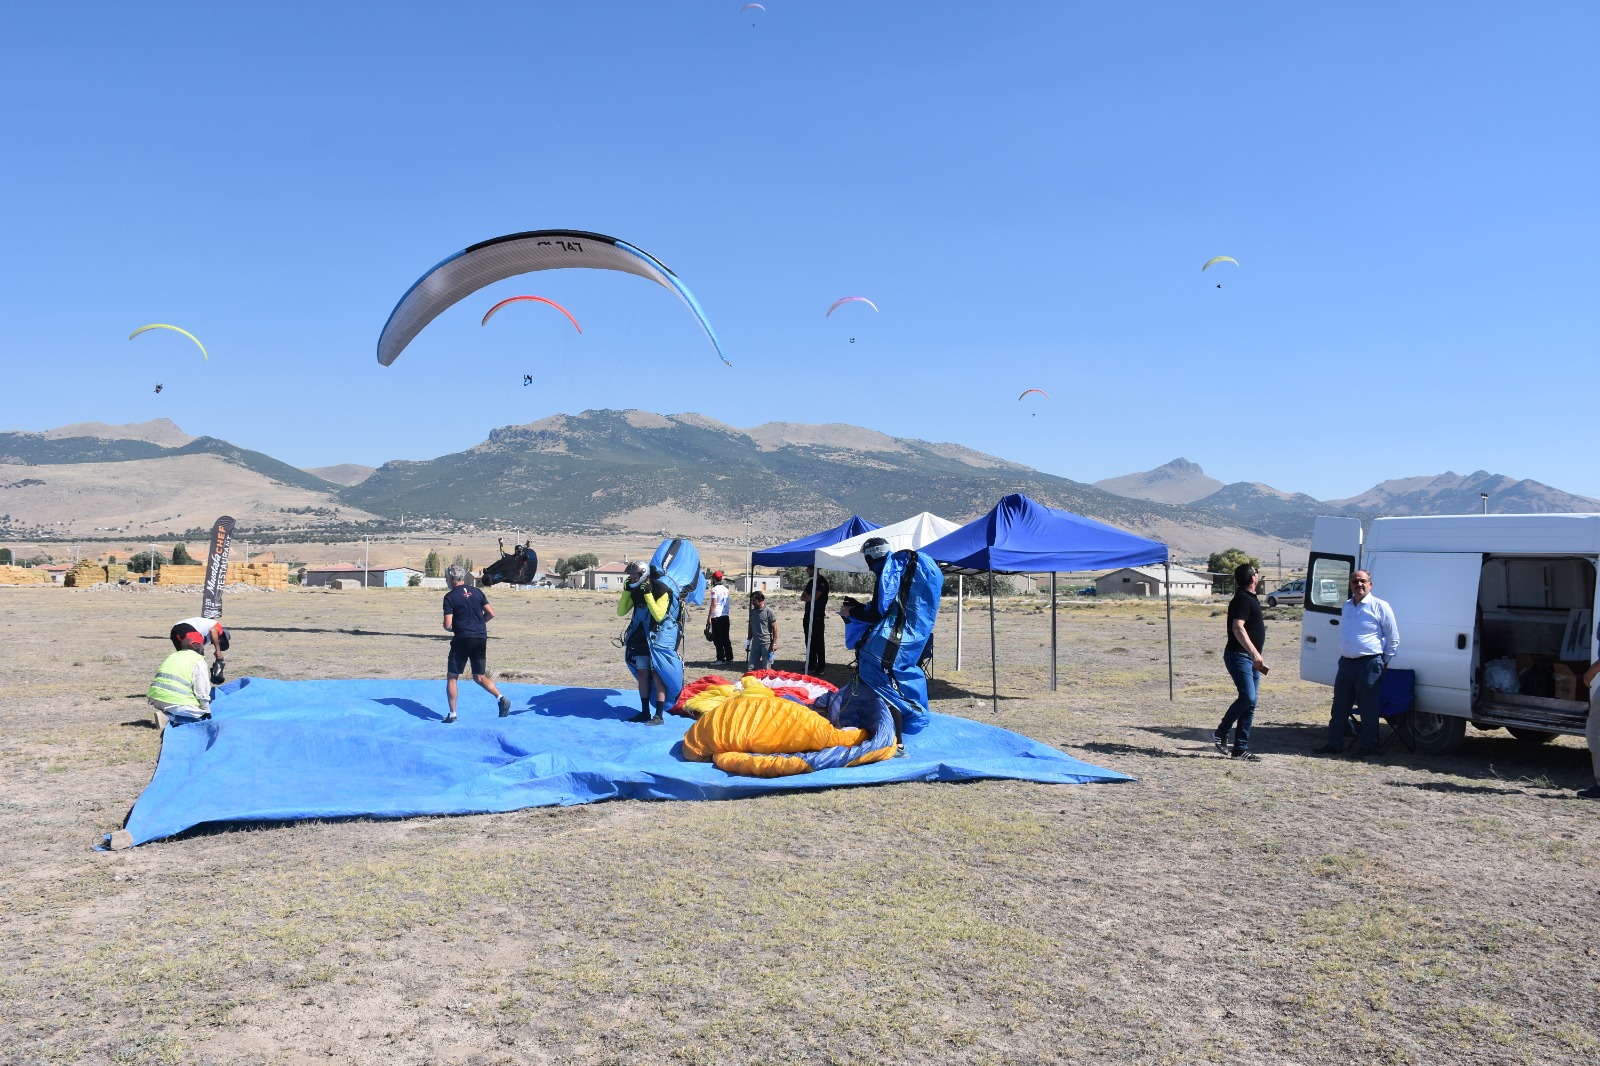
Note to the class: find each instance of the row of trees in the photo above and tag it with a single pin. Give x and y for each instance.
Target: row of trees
(434, 565)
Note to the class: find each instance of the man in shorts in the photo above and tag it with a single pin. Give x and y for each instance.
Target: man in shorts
(466, 619)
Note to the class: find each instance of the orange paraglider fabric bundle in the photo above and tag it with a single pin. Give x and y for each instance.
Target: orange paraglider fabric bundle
(750, 731)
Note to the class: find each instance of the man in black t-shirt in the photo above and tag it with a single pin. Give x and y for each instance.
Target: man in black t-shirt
(815, 627)
(1247, 635)
(466, 618)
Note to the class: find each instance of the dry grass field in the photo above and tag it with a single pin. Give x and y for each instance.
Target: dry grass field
(1298, 910)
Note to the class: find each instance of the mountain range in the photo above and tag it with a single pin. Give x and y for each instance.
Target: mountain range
(1289, 514)
(612, 471)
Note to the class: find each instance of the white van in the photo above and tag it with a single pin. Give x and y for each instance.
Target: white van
(1496, 615)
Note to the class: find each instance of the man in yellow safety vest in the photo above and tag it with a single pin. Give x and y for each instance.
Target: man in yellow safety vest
(181, 691)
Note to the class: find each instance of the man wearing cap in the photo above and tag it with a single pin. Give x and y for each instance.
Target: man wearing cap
(181, 691)
(717, 618)
(212, 633)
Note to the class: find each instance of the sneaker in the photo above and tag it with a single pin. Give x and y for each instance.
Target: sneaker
(1246, 756)
(1590, 793)
(1219, 742)
(654, 719)
(1328, 749)
(505, 706)
(451, 717)
(642, 716)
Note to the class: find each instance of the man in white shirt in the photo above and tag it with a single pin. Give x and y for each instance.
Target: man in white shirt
(717, 618)
(215, 637)
(1368, 639)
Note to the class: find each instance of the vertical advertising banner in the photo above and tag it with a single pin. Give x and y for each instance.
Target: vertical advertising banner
(216, 568)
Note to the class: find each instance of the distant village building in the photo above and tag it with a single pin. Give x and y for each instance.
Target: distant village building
(57, 572)
(607, 577)
(377, 577)
(1150, 581)
(745, 584)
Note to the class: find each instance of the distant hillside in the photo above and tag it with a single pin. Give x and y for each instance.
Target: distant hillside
(1250, 503)
(52, 449)
(693, 474)
(342, 473)
(162, 431)
(1451, 493)
(1179, 481)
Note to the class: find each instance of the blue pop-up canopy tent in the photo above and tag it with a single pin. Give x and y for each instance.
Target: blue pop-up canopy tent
(799, 552)
(1020, 535)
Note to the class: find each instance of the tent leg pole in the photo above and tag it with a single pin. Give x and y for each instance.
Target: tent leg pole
(961, 599)
(994, 670)
(1170, 696)
(1052, 631)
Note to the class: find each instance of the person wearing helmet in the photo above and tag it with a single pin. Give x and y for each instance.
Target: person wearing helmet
(181, 691)
(645, 602)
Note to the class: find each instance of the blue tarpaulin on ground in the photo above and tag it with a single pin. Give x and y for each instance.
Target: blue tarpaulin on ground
(293, 750)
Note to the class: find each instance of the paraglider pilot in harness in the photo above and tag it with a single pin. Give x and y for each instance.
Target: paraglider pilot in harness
(645, 602)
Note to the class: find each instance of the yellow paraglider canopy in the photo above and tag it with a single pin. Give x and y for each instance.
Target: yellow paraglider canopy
(1219, 259)
(175, 329)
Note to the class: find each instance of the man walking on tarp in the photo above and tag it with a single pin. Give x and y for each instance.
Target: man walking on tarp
(899, 621)
(815, 628)
(717, 618)
(1247, 635)
(647, 603)
(466, 619)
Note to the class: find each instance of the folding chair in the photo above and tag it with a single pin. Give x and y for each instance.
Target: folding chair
(1396, 699)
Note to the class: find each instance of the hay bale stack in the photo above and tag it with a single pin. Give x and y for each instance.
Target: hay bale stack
(84, 574)
(23, 575)
(173, 574)
(116, 572)
(261, 575)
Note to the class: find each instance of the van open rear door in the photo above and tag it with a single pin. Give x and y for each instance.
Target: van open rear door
(1435, 601)
(1335, 555)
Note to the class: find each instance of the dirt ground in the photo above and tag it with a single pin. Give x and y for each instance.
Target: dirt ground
(1297, 910)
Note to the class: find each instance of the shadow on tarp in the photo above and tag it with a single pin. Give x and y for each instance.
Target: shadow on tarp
(412, 707)
(572, 702)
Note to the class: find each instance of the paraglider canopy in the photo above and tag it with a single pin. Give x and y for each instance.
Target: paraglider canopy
(175, 329)
(485, 263)
(850, 299)
(1219, 259)
(515, 299)
(1041, 392)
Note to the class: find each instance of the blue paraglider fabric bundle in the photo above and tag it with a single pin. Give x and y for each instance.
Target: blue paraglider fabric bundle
(294, 750)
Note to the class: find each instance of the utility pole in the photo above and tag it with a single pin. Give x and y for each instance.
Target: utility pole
(1484, 496)
(366, 562)
(1280, 567)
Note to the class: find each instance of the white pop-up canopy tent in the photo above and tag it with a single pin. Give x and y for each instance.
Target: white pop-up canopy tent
(913, 533)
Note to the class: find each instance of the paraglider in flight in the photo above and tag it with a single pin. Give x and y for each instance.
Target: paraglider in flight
(527, 379)
(494, 260)
(175, 329)
(1041, 392)
(850, 299)
(1219, 259)
(159, 388)
(751, 7)
(513, 299)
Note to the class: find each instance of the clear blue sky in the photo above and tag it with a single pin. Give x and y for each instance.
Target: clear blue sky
(1026, 190)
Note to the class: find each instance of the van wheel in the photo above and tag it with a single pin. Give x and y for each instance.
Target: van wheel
(1437, 734)
(1272, 601)
(1530, 736)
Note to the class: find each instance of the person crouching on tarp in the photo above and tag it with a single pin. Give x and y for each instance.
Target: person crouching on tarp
(899, 621)
(645, 602)
(181, 690)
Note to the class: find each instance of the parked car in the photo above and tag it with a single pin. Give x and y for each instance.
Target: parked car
(1293, 592)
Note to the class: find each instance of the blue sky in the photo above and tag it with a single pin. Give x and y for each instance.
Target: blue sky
(1026, 191)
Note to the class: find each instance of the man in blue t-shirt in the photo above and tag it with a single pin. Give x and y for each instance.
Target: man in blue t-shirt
(466, 617)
